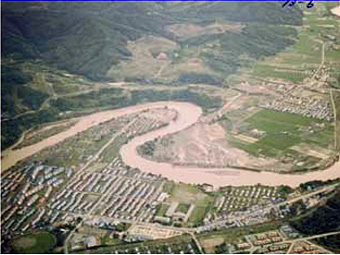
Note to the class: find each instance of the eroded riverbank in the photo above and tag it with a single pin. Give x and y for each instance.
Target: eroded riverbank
(188, 114)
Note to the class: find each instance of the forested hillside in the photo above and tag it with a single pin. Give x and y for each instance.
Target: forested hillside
(50, 49)
(88, 38)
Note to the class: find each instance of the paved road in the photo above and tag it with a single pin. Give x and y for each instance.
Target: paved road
(197, 242)
(304, 196)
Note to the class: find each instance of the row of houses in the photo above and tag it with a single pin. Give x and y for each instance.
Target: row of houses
(313, 108)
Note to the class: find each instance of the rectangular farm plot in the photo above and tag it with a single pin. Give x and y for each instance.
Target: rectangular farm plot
(282, 132)
(247, 139)
(313, 151)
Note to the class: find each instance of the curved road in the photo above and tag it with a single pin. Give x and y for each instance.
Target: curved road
(188, 114)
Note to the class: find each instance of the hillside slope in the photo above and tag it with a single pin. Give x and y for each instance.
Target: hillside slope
(44, 44)
(88, 38)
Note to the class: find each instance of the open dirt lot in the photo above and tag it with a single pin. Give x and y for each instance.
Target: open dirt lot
(204, 145)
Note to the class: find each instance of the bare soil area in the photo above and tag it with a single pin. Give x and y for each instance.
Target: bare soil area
(205, 145)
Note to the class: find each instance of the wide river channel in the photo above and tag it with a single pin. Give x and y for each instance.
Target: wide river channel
(188, 114)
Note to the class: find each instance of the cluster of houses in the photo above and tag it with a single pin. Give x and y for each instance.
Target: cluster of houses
(24, 191)
(71, 201)
(260, 213)
(289, 232)
(274, 241)
(132, 199)
(304, 247)
(274, 248)
(313, 108)
(142, 125)
(267, 238)
(127, 194)
(241, 198)
(13, 224)
(116, 168)
(255, 214)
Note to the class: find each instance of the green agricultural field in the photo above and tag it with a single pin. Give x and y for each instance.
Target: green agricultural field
(278, 121)
(284, 130)
(299, 60)
(275, 72)
(34, 243)
(187, 194)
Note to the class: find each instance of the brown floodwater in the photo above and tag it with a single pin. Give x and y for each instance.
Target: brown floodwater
(10, 157)
(336, 10)
(188, 114)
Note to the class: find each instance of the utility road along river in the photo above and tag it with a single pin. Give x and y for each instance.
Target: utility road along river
(188, 114)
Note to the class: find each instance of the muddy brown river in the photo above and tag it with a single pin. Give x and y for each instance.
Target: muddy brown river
(188, 114)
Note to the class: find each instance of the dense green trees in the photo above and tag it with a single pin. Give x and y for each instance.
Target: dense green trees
(325, 218)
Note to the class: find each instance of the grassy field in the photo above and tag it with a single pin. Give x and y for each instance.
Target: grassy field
(187, 194)
(291, 125)
(162, 208)
(34, 243)
(183, 208)
(284, 130)
(264, 70)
